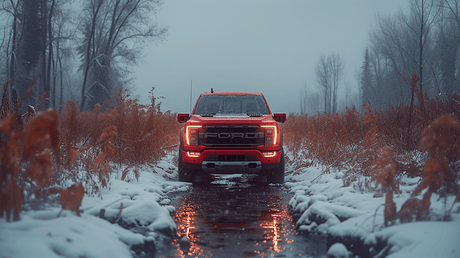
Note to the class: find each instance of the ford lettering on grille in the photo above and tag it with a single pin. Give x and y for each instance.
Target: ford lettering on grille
(231, 136)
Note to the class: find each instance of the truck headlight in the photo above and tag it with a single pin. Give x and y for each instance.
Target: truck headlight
(191, 134)
(270, 134)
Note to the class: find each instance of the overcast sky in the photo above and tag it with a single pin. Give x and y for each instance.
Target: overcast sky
(262, 46)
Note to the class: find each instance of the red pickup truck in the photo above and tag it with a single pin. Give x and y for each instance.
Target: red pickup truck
(231, 133)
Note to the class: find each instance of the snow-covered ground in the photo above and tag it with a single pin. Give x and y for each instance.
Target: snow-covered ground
(323, 205)
(145, 211)
(356, 221)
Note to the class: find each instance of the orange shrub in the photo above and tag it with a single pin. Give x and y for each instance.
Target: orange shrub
(126, 134)
(383, 174)
(44, 149)
(376, 148)
(26, 155)
(352, 140)
(441, 139)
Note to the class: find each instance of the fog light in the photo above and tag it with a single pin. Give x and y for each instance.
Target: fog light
(193, 154)
(269, 154)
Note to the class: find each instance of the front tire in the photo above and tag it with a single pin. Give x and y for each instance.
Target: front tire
(276, 175)
(184, 174)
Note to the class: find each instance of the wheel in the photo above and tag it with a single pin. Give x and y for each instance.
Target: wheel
(276, 176)
(185, 175)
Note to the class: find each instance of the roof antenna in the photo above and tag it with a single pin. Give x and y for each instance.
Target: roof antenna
(212, 90)
(191, 96)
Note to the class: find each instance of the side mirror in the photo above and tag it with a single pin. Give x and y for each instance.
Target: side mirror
(183, 117)
(279, 117)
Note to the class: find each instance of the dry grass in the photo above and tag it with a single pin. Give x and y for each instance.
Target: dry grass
(44, 149)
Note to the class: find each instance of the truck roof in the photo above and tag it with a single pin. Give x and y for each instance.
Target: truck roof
(231, 93)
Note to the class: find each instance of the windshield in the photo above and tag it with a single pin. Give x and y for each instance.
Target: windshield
(231, 104)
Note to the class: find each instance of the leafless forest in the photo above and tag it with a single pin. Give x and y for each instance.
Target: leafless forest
(74, 57)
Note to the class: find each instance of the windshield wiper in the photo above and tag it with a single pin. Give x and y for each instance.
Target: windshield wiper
(208, 115)
(254, 115)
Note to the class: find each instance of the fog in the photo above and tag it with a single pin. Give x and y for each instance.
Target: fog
(260, 46)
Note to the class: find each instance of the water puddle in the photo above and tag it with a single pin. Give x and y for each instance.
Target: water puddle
(238, 219)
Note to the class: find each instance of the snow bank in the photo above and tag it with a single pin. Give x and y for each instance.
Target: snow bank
(423, 239)
(337, 250)
(139, 201)
(326, 215)
(96, 233)
(324, 206)
(46, 235)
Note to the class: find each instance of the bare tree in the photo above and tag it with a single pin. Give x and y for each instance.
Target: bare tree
(423, 16)
(30, 47)
(405, 43)
(63, 58)
(323, 78)
(10, 13)
(377, 78)
(329, 72)
(39, 42)
(390, 46)
(448, 46)
(337, 68)
(111, 30)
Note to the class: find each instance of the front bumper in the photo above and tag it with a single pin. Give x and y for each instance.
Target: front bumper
(231, 167)
(231, 161)
(198, 159)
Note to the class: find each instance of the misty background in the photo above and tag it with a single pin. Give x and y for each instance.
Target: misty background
(304, 56)
(266, 46)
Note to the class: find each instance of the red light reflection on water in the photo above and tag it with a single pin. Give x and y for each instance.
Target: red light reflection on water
(274, 236)
(274, 221)
(186, 215)
(275, 224)
(188, 222)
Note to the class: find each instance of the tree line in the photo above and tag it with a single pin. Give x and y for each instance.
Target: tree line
(54, 50)
(423, 39)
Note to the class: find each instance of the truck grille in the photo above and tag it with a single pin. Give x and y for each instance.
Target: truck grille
(231, 135)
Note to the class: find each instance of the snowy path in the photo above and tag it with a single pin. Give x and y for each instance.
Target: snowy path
(235, 217)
